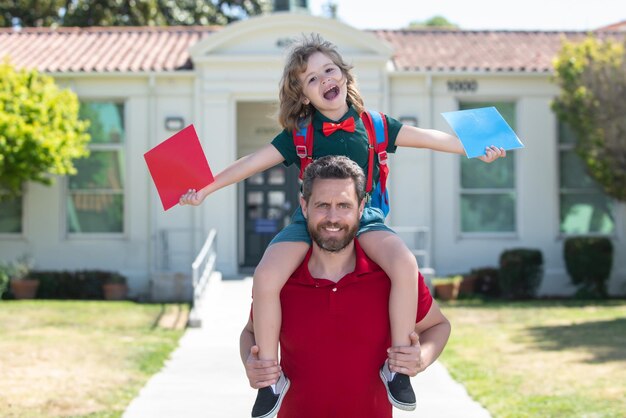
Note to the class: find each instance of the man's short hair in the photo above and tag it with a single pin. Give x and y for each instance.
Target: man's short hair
(333, 167)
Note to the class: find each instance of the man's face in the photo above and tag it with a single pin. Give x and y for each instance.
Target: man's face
(332, 213)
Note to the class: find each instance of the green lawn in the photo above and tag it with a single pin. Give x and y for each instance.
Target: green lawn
(81, 359)
(540, 358)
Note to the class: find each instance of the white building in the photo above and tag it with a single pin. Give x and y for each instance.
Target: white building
(140, 81)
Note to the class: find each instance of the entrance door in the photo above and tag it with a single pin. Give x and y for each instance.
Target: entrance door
(269, 200)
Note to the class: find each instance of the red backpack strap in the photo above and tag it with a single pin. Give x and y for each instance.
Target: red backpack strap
(376, 127)
(303, 141)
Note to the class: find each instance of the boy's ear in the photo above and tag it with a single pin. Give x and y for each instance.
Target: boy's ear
(305, 100)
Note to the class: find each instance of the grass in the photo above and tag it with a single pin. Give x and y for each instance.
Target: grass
(81, 359)
(540, 358)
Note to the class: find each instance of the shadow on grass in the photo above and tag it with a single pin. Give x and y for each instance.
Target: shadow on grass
(605, 340)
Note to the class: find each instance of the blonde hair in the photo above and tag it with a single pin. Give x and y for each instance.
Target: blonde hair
(292, 111)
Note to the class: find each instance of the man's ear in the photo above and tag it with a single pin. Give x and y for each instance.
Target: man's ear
(303, 206)
(361, 208)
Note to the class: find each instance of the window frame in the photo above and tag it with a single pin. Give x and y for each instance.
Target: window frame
(23, 233)
(119, 147)
(570, 147)
(514, 190)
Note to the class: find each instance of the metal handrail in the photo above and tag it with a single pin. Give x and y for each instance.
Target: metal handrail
(421, 242)
(201, 269)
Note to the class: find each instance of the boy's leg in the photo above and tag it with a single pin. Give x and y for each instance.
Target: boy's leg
(388, 251)
(279, 261)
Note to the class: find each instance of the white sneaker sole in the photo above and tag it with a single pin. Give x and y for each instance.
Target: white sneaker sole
(392, 400)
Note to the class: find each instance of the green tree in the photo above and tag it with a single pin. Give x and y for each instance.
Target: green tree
(40, 132)
(438, 22)
(592, 79)
(160, 12)
(31, 12)
(113, 13)
(127, 12)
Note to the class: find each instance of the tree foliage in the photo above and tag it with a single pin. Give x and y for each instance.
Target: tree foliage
(437, 22)
(592, 78)
(30, 12)
(40, 132)
(127, 12)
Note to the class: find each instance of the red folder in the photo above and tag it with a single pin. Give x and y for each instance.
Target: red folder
(177, 165)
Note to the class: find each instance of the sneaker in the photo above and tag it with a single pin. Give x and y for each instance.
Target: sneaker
(268, 399)
(399, 389)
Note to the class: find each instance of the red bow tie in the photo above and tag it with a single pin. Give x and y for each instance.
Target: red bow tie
(347, 125)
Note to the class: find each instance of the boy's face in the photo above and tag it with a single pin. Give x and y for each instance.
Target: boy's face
(324, 86)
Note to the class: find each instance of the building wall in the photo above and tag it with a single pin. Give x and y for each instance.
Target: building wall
(235, 80)
(425, 184)
(148, 100)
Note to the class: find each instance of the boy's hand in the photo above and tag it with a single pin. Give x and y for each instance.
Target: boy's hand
(192, 197)
(261, 373)
(492, 153)
(406, 360)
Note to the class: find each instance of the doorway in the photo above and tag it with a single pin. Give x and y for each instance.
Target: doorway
(269, 199)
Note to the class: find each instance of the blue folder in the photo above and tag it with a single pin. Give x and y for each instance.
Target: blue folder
(479, 128)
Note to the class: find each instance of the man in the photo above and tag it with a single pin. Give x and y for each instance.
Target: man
(335, 325)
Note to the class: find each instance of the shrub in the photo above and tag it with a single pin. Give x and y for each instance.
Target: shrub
(486, 281)
(521, 271)
(84, 284)
(4, 278)
(588, 261)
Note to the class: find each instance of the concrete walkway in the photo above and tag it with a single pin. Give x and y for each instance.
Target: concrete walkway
(204, 376)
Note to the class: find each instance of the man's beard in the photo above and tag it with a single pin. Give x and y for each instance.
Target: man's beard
(333, 244)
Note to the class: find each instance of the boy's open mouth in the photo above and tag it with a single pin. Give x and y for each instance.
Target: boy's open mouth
(331, 93)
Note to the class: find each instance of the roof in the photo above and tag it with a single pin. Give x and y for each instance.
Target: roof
(165, 49)
(102, 49)
(618, 26)
(484, 51)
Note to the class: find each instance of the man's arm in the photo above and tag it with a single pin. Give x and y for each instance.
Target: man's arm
(431, 336)
(261, 373)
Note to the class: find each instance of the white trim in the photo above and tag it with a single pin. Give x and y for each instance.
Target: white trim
(475, 73)
(23, 233)
(65, 234)
(293, 23)
(128, 74)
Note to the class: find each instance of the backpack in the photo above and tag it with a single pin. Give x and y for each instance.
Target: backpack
(376, 127)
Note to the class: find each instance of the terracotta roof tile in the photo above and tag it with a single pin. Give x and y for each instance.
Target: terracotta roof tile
(484, 51)
(102, 49)
(142, 49)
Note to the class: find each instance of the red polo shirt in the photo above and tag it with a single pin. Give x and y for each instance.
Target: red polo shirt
(333, 340)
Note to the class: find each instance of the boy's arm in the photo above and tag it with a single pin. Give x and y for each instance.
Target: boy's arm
(258, 161)
(433, 331)
(411, 136)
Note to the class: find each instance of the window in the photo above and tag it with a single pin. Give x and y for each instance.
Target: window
(585, 209)
(11, 215)
(487, 192)
(95, 203)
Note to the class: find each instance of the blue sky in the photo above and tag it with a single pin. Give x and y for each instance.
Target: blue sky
(481, 14)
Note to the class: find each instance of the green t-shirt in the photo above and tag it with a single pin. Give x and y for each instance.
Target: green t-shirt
(353, 145)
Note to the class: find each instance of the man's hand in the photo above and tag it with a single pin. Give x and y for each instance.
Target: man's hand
(261, 373)
(492, 153)
(406, 360)
(192, 197)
